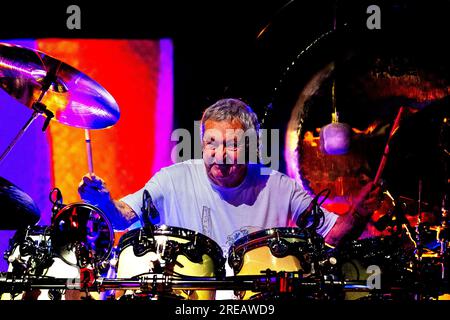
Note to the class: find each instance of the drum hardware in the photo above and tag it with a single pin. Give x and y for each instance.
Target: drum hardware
(166, 253)
(430, 267)
(443, 234)
(82, 235)
(443, 237)
(269, 281)
(38, 109)
(314, 210)
(395, 219)
(55, 294)
(38, 251)
(76, 245)
(148, 209)
(278, 247)
(146, 241)
(82, 238)
(56, 199)
(419, 226)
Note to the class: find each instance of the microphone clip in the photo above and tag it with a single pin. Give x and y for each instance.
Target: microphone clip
(315, 211)
(56, 199)
(148, 210)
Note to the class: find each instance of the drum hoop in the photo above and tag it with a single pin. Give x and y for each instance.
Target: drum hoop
(163, 230)
(261, 237)
(213, 250)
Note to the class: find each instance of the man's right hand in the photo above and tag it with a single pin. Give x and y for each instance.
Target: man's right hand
(93, 190)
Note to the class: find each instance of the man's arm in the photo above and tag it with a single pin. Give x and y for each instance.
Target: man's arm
(120, 214)
(351, 224)
(347, 226)
(93, 190)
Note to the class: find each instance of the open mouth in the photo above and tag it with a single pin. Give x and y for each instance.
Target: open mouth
(224, 168)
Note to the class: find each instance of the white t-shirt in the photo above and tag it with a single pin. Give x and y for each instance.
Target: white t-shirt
(185, 197)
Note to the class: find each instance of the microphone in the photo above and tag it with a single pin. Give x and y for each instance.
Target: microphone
(148, 210)
(56, 199)
(146, 238)
(314, 210)
(302, 220)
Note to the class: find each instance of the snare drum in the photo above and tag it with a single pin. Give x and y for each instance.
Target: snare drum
(277, 249)
(173, 251)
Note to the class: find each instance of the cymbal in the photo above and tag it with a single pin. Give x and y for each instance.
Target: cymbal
(17, 209)
(74, 98)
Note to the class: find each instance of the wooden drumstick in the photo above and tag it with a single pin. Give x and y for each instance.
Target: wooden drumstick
(386, 148)
(87, 137)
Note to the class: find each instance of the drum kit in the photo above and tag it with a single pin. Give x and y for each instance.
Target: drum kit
(77, 257)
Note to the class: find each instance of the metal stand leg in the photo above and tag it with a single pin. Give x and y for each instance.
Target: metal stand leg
(19, 134)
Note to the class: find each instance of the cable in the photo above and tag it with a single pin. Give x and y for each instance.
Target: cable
(314, 210)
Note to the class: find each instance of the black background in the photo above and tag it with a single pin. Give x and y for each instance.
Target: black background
(217, 50)
(218, 54)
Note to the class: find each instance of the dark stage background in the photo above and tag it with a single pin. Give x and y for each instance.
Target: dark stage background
(219, 52)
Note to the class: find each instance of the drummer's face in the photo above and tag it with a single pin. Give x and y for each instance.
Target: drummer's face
(222, 148)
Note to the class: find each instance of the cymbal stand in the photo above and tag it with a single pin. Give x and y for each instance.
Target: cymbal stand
(444, 230)
(419, 246)
(443, 237)
(38, 109)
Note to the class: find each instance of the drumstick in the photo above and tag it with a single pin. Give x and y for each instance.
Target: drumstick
(386, 148)
(87, 137)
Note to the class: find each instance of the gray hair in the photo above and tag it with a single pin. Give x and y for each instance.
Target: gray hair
(229, 110)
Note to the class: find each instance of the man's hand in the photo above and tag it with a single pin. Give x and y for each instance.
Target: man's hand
(93, 190)
(351, 224)
(367, 201)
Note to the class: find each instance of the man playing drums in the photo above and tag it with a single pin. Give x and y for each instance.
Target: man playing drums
(220, 195)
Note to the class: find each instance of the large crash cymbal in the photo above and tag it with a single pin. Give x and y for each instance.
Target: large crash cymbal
(74, 98)
(17, 209)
